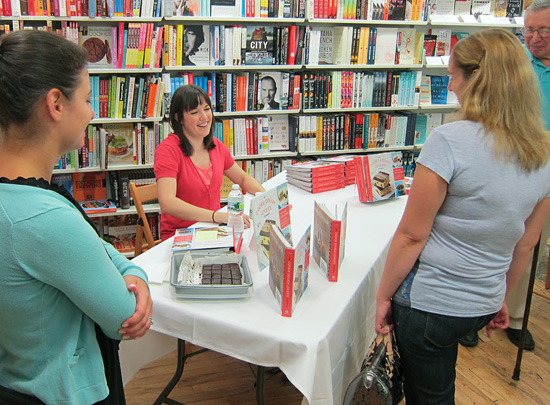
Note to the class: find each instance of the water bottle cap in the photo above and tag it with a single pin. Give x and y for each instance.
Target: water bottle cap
(235, 187)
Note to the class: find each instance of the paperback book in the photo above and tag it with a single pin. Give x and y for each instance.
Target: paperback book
(266, 209)
(379, 176)
(329, 239)
(288, 269)
(98, 43)
(213, 238)
(119, 144)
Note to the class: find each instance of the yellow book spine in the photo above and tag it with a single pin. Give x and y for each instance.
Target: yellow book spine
(179, 45)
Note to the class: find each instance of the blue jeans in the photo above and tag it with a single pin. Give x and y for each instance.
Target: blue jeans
(428, 345)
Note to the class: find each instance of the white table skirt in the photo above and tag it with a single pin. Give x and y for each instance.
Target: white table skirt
(320, 348)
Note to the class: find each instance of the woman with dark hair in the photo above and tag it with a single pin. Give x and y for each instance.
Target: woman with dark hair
(66, 296)
(190, 165)
(475, 211)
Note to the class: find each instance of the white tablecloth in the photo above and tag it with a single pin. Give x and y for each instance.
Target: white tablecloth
(320, 348)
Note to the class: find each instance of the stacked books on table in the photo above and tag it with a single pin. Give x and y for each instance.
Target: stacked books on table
(349, 166)
(318, 176)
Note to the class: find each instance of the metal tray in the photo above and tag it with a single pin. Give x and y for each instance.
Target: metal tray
(211, 292)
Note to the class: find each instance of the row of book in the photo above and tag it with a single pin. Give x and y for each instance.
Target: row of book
(365, 131)
(128, 96)
(244, 8)
(434, 91)
(355, 89)
(258, 135)
(225, 45)
(413, 10)
(81, 8)
(109, 145)
(120, 230)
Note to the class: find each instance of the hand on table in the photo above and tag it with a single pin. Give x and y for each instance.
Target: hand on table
(139, 323)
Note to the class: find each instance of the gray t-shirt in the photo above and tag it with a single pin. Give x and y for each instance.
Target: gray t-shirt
(463, 266)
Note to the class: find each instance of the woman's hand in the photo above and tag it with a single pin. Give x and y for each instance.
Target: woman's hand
(138, 324)
(383, 322)
(500, 321)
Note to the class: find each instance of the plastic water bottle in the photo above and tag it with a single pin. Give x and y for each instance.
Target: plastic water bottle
(235, 208)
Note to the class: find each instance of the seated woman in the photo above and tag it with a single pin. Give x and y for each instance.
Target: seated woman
(190, 164)
(66, 296)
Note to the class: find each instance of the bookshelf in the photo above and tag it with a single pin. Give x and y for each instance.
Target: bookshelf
(311, 19)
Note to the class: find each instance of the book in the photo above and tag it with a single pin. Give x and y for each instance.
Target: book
(89, 186)
(278, 132)
(119, 144)
(270, 207)
(329, 235)
(214, 238)
(98, 206)
(288, 269)
(259, 45)
(326, 46)
(379, 176)
(196, 51)
(98, 42)
(386, 40)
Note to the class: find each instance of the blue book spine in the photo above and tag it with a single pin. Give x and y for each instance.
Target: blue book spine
(91, 9)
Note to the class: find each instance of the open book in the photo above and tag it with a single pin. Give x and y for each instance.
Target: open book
(329, 239)
(288, 269)
(215, 238)
(270, 207)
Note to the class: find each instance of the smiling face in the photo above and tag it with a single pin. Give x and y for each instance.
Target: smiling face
(537, 45)
(196, 123)
(457, 81)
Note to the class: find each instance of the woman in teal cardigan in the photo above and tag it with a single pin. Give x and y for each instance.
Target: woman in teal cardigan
(66, 296)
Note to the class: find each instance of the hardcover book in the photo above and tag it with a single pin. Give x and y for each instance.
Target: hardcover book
(270, 207)
(196, 50)
(278, 132)
(119, 144)
(259, 45)
(288, 269)
(379, 176)
(329, 236)
(98, 43)
(215, 238)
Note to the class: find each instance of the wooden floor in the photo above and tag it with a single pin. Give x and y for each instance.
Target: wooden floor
(484, 373)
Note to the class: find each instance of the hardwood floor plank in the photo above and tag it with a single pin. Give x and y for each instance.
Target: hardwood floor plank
(484, 373)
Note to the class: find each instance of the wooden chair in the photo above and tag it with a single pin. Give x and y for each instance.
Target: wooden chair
(547, 283)
(140, 195)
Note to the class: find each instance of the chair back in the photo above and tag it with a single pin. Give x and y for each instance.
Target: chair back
(141, 195)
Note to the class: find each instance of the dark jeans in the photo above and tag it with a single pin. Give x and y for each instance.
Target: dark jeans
(428, 345)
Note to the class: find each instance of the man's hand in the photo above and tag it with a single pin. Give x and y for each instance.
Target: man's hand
(500, 321)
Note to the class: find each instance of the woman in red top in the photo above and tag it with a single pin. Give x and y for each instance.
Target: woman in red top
(190, 164)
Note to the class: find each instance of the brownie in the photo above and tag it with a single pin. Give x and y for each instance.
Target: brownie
(226, 281)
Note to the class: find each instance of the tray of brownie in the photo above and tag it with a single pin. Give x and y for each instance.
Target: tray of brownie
(198, 275)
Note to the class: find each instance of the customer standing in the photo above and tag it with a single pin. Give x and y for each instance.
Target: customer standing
(66, 296)
(474, 214)
(537, 42)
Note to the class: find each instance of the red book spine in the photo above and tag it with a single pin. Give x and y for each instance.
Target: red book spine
(368, 178)
(6, 4)
(120, 44)
(286, 301)
(291, 58)
(360, 178)
(334, 255)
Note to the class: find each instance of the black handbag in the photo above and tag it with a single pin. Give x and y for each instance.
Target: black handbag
(380, 380)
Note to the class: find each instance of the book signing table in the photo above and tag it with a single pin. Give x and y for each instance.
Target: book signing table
(321, 347)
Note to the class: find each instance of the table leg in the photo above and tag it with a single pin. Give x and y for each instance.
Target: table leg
(260, 385)
(182, 357)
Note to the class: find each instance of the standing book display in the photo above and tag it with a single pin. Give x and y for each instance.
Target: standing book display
(288, 269)
(379, 176)
(266, 209)
(329, 239)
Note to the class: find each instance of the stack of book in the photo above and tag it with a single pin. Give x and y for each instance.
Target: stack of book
(318, 176)
(349, 167)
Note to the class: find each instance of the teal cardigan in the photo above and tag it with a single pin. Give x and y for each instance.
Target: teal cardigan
(57, 279)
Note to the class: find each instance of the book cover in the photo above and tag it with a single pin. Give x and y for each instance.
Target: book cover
(408, 38)
(270, 207)
(120, 231)
(196, 50)
(217, 238)
(457, 36)
(386, 41)
(89, 186)
(259, 45)
(481, 7)
(223, 8)
(326, 46)
(379, 176)
(268, 91)
(317, 167)
(186, 8)
(119, 143)
(98, 43)
(98, 206)
(329, 235)
(278, 132)
(463, 7)
(288, 269)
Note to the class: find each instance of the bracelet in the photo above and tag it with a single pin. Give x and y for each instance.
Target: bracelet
(213, 220)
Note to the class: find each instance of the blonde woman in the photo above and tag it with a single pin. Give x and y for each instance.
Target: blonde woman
(475, 212)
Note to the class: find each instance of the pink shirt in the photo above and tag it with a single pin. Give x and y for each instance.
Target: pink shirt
(192, 186)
